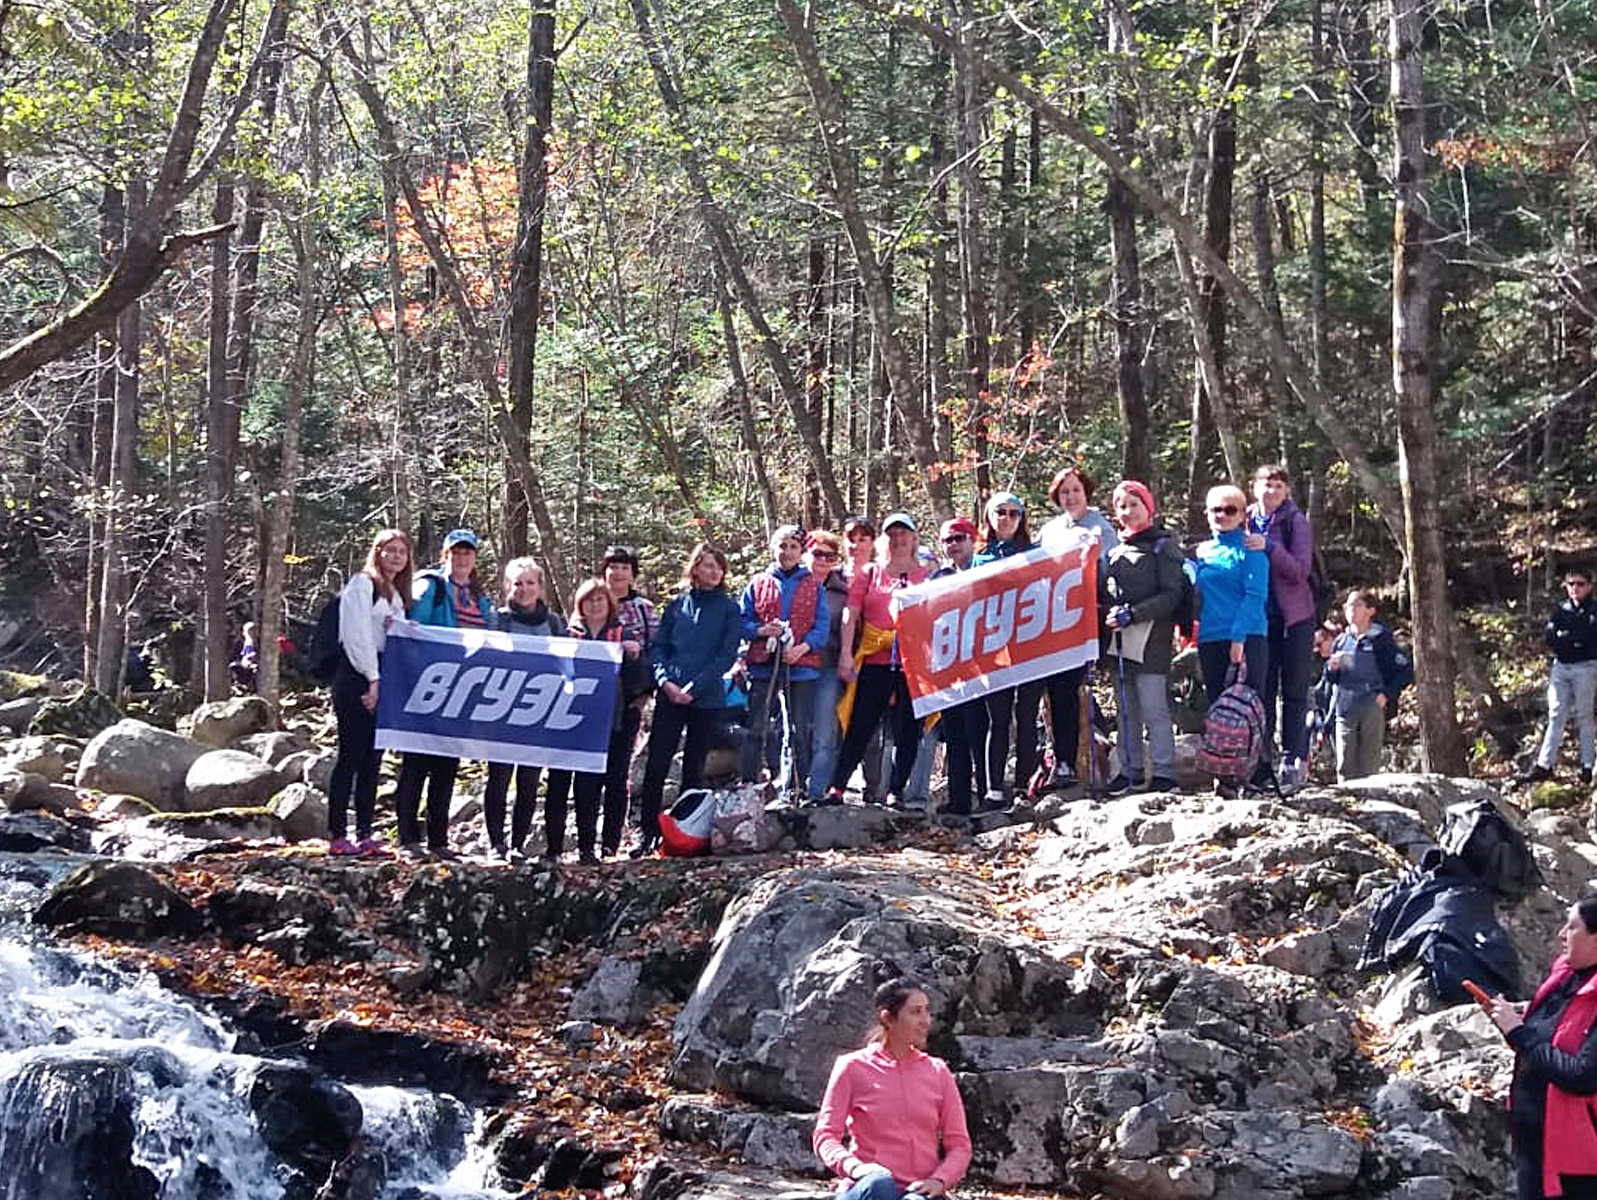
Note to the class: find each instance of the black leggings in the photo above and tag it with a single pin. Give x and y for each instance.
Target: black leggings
(359, 761)
(881, 691)
(1021, 704)
(438, 774)
(669, 722)
(527, 779)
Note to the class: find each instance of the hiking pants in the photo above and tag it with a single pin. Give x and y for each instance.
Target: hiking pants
(1359, 735)
(1571, 689)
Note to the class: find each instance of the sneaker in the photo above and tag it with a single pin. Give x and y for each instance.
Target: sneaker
(442, 854)
(588, 858)
(832, 799)
(1063, 777)
(343, 848)
(1118, 786)
(916, 804)
(411, 851)
(893, 801)
(1535, 773)
(646, 845)
(515, 856)
(371, 848)
(1160, 783)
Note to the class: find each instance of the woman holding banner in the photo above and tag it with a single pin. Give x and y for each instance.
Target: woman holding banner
(1071, 492)
(1140, 591)
(695, 646)
(374, 598)
(452, 597)
(597, 619)
(868, 659)
(524, 612)
(1004, 533)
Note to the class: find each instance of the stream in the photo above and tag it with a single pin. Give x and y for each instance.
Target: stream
(113, 1087)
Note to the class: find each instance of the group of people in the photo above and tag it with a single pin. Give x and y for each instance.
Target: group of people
(812, 642)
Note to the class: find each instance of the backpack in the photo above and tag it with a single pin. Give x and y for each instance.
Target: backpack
(1233, 733)
(326, 652)
(1490, 848)
(1186, 612)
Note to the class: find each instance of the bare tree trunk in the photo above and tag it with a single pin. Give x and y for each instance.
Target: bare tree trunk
(111, 654)
(304, 234)
(975, 310)
(1414, 314)
(873, 276)
(1269, 295)
(1125, 300)
(113, 218)
(720, 230)
(740, 388)
(526, 273)
(221, 442)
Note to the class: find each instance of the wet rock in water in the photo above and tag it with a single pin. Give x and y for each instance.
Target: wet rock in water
(117, 899)
(66, 1130)
(142, 761)
(302, 810)
(86, 714)
(370, 1055)
(228, 779)
(30, 832)
(223, 722)
(310, 1122)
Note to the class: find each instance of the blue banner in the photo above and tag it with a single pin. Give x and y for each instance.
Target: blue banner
(500, 697)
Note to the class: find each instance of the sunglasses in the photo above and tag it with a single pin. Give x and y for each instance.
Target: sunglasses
(956, 537)
(823, 555)
(1008, 512)
(1224, 510)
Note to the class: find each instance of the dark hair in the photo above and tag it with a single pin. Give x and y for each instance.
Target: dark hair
(893, 990)
(990, 538)
(373, 568)
(1586, 909)
(619, 554)
(1367, 599)
(1272, 471)
(1578, 573)
(1064, 473)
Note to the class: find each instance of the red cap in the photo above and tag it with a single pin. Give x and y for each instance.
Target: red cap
(958, 525)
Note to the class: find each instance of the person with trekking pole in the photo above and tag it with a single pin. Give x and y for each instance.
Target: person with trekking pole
(1140, 594)
(785, 620)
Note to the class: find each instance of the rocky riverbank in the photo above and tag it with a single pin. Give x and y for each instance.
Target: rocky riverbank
(1146, 998)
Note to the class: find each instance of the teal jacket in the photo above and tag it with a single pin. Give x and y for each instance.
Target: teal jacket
(1233, 584)
(435, 603)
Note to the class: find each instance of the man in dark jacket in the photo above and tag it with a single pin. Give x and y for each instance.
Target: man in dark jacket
(1571, 635)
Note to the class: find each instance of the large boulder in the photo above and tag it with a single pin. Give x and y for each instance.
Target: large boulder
(117, 899)
(142, 761)
(223, 722)
(311, 1123)
(302, 810)
(228, 779)
(272, 747)
(46, 756)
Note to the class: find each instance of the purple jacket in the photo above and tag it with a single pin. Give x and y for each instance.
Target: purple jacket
(1290, 544)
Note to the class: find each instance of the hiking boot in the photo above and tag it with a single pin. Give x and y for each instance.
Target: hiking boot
(1535, 773)
(1118, 786)
(993, 801)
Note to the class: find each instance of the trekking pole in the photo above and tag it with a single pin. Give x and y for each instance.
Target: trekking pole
(1090, 727)
(1128, 734)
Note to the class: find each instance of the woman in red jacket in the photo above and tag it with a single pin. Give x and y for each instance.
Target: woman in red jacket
(897, 1105)
(1553, 1102)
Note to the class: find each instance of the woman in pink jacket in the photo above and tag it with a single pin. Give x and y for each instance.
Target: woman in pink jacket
(896, 1106)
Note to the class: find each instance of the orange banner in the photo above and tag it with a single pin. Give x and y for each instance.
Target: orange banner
(1021, 618)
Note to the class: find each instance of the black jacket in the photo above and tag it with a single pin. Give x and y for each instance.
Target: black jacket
(1571, 632)
(1145, 572)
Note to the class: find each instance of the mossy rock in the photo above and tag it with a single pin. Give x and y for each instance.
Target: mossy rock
(15, 684)
(222, 824)
(83, 714)
(1549, 794)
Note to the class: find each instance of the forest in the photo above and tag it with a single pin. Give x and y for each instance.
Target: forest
(277, 275)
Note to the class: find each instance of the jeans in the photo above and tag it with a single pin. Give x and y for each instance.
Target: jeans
(919, 786)
(1290, 675)
(877, 1186)
(355, 770)
(798, 701)
(669, 722)
(1144, 704)
(965, 734)
(1570, 687)
(825, 733)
